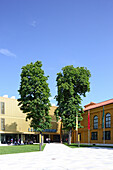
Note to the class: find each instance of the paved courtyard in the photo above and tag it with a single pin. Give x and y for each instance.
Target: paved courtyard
(59, 157)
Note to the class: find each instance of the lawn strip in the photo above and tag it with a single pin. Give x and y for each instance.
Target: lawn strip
(19, 149)
(75, 145)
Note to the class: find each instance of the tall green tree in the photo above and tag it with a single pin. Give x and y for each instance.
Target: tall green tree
(34, 96)
(72, 83)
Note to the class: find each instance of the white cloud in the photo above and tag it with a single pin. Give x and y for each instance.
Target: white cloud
(51, 98)
(6, 96)
(6, 52)
(34, 23)
(53, 104)
(56, 89)
(52, 101)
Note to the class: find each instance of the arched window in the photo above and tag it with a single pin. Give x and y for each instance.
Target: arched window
(95, 122)
(108, 120)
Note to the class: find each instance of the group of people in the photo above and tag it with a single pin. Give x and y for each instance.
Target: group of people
(48, 140)
(15, 141)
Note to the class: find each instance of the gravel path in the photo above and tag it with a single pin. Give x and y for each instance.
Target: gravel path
(60, 157)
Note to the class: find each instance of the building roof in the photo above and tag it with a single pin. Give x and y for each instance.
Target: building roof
(95, 105)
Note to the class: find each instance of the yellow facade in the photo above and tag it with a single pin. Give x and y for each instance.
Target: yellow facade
(96, 134)
(16, 126)
(13, 124)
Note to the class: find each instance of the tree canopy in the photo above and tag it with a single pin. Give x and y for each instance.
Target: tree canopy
(72, 83)
(34, 96)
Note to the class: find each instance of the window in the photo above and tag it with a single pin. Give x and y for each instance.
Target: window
(2, 107)
(107, 135)
(95, 122)
(94, 136)
(108, 120)
(2, 124)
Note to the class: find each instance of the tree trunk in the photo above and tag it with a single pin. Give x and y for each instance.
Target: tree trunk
(69, 138)
(76, 136)
(40, 140)
(40, 146)
(61, 133)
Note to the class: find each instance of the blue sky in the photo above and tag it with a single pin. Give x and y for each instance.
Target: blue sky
(58, 33)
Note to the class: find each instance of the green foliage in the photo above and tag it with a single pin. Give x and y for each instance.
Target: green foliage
(34, 96)
(72, 83)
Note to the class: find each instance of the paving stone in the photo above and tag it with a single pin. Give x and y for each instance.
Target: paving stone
(59, 157)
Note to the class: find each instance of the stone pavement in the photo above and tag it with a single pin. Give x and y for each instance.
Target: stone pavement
(59, 157)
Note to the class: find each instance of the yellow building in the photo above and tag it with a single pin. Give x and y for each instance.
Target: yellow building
(13, 124)
(96, 133)
(14, 127)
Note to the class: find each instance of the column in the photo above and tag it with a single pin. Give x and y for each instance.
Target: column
(22, 139)
(17, 137)
(0, 138)
(88, 126)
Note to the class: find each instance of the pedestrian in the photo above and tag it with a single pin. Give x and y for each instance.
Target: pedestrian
(19, 141)
(11, 140)
(15, 141)
(8, 142)
(47, 140)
